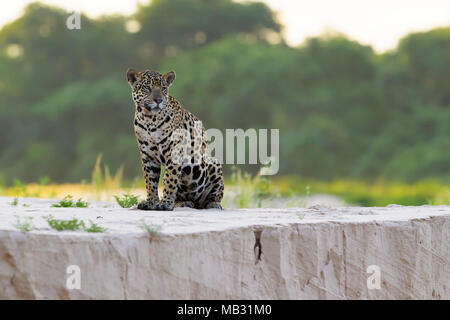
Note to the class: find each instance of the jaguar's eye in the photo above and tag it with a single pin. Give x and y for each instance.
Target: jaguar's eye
(148, 90)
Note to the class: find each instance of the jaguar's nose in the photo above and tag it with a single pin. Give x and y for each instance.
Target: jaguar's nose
(157, 100)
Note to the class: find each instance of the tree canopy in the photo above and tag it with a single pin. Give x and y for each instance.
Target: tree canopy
(342, 109)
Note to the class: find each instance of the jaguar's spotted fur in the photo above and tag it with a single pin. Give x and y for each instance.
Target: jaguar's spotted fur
(192, 179)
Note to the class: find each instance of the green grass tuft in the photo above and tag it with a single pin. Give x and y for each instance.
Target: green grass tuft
(127, 200)
(94, 228)
(152, 229)
(73, 225)
(68, 202)
(24, 225)
(61, 225)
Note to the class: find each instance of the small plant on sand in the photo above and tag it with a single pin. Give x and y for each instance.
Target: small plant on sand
(24, 225)
(94, 228)
(127, 200)
(72, 225)
(15, 202)
(153, 230)
(61, 225)
(68, 202)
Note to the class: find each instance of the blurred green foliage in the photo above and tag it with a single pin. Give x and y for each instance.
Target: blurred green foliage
(377, 193)
(343, 111)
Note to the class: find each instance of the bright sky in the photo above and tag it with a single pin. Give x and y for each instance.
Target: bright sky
(378, 23)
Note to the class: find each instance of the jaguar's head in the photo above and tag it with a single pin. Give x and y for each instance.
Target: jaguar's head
(150, 89)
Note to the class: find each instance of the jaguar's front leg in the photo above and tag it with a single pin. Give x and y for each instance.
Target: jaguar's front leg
(171, 179)
(152, 171)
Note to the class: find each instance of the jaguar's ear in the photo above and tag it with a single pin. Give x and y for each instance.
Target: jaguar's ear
(132, 76)
(169, 77)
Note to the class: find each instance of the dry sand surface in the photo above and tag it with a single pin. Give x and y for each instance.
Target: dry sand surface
(317, 252)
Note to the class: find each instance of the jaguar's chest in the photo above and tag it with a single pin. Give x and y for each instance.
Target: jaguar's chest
(155, 135)
(153, 126)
